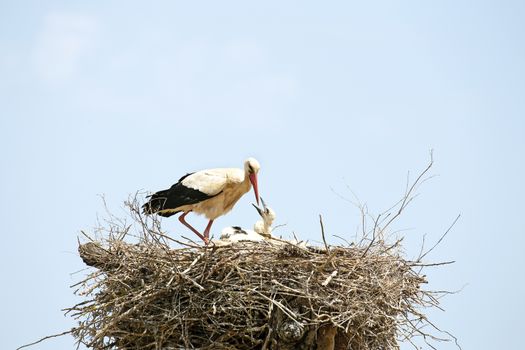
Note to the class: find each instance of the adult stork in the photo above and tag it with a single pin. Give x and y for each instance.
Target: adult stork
(212, 192)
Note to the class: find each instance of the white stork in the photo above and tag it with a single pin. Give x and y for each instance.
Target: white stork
(212, 192)
(261, 230)
(264, 226)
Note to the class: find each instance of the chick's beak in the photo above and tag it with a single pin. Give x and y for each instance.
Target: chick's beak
(264, 205)
(259, 210)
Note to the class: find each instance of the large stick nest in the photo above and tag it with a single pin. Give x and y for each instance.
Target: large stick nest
(247, 295)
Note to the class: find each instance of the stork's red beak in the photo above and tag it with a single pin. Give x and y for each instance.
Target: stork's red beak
(253, 180)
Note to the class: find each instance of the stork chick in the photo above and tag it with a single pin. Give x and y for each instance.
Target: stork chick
(212, 192)
(264, 226)
(261, 230)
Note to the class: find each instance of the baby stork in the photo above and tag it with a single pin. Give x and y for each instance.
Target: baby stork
(211, 192)
(264, 226)
(261, 230)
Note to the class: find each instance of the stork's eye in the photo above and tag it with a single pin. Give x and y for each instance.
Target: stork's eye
(250, 169)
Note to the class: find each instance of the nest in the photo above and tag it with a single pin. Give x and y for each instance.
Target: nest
(247, 295)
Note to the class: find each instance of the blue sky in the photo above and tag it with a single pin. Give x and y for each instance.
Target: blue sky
(114, 97)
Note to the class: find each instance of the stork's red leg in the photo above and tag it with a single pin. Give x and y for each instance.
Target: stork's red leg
(207, 230)
(181, 219)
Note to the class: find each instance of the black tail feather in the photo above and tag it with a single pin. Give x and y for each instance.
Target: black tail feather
(156, 202)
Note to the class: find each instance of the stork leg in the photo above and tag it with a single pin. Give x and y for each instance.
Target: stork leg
(207, 230)
(181, 219)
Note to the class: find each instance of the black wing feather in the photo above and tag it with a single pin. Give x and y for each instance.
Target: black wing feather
(174, 197)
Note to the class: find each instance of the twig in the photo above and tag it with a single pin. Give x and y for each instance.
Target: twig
(329, 278)
(373, 236)
(441, 238)
(322, 233)
(268, 338)
(407, 197)
(45, 338)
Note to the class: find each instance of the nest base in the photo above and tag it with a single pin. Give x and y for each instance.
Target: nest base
(247, 295)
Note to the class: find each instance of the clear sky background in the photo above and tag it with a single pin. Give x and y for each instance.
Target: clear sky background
(113, 97)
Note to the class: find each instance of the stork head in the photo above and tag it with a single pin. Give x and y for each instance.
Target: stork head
(251, 168)
(266, 213)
